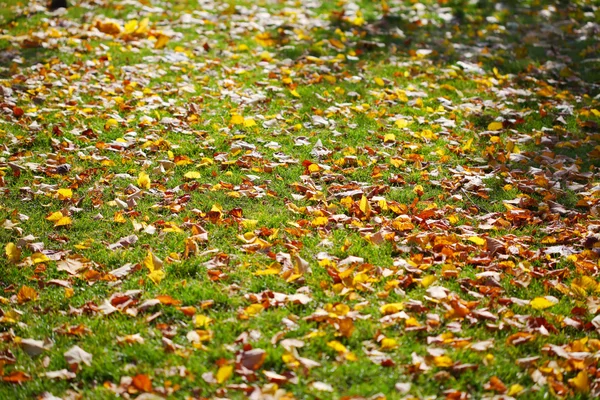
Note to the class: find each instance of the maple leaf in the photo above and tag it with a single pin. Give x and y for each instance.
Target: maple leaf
(26, 294)
(72, 264)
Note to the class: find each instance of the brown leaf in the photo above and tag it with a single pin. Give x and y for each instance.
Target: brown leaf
(253, 359)
(26, 294)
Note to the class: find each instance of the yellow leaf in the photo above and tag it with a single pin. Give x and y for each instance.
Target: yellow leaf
(118, 217)
(337, 346)
(152, 262)
(202, 321)
(515, 389)
(477, 240)
(320, 221)
(428, 280)
(156, 276)
(273, 269)
(389, 344)
(443, 361)
(143, 180)
(86, 244)
(131, 26)
(63, 194)
(249, 122)
(391, 308)
(110, 123)
(224, 373)
(55, 216)
(581, 382)
(39, 258)
(337, 44)
(64, 221)
(143, 26)
(418, 190)
(494, 126)
(254, 309)
(205, 161)
(192, 175)
(266, 56)
(249, 223)
(428, 134)
(295, 93)
(236, 119)
(13, 253)
(467, 145)
(580, 286)
(161, 41)
(401, 123)
(379, 81)
(396, 162)
(389, 137)
(364, 206)
(541, 303)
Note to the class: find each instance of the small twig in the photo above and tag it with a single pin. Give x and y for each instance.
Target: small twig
(475, 204)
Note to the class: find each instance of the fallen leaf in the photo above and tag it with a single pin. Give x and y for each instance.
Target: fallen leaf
(224, 373)
(142, 383)
(495, 126)
(13, 253)
(16, 377)
(143, 180)
(26, 294)
(541, 303)
(76, 355)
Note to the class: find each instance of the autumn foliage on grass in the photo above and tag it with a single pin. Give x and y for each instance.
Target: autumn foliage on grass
(289, 199)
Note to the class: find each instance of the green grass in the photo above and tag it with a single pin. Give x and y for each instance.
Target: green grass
(453, 180)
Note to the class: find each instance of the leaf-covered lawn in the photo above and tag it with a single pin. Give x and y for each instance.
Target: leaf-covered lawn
(300, 199)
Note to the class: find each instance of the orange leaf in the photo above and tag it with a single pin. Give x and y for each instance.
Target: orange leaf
(142, 382)
(16, 377)
(168, 300)
(26, 294)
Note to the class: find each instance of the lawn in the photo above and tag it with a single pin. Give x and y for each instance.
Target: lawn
(300, 199)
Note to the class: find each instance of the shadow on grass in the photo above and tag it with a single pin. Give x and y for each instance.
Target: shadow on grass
(548, 49)
(512, 37)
